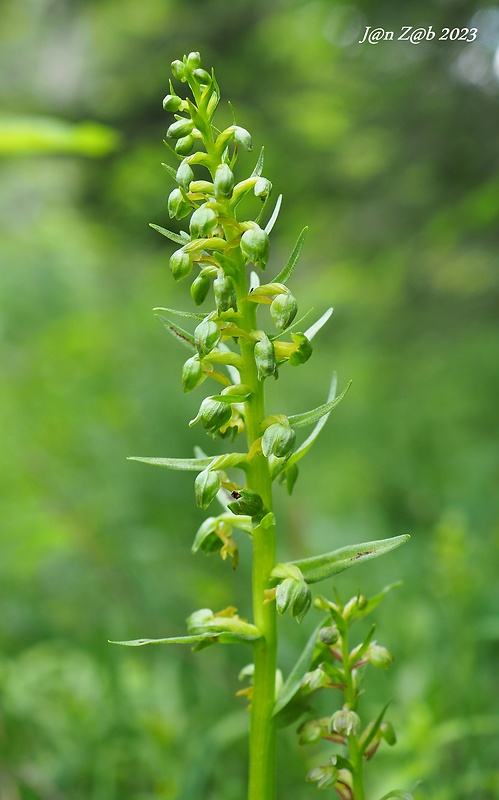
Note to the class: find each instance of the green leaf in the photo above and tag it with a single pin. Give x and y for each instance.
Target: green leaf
(307, 444)
(224, 637)
(309, 417)
(186, 338)
(293, 682)
(259, 165)
(170, 170)
(185, 464)
(175, 237)
(287, 270)
(186, 314)
(49, 135)
(272, 221)
(398, 793)
(373, 730)
(320, 568)
(316, 327)
(373, 602)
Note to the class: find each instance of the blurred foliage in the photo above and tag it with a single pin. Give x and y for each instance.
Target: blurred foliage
(388, 153)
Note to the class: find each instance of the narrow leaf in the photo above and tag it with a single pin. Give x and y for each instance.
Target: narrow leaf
(224, 637)
(320, 568)
(178, 313)
(259, 164)
(287, 270)
(309, 417)
(398, 793)
(293, 682)
(169, 169)
(177, 332)
(184, 464)
(374, 729)
(272, 221)
(316, 327)
(307, 444)
(175, 237)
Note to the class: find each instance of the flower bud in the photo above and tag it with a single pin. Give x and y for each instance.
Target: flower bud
(179, 128)
(178, 206)
(344, 722)
(325, 775)
(303, 349)
(243, 137)
(213, 414)
(316, 679)
(192, 374)
(193, 60)
(202, 76)
(172, 102)
(312, 730)
(329, 635)
(203, 222)
(206, 486)
(265, 359)
(283, 310)
(184, 175)
(246, 502)
(255, 246)
(199, 288)
(294, 596)
(184, 145)
(180, 264)
(379, 656)
(178, 70)
(278, 439)
(225, 294)
(206, 335)
(224, 181)
(262, 188)
(387, 732)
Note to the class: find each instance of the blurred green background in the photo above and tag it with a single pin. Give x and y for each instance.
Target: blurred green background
(389, 153)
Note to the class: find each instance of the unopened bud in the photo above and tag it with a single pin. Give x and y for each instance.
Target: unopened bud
(314, 680)
(278, 439)
(184, 145)
(387, 732)
(243, 137)
(212, 414)
(329, 635)
(345, 722)
(192, 374)
(203, 222)
(225, 294)
(224, 181)
(294, 596)
(283, 310)
(246, 502)
(312, 730)
(262, 188)
(265, 359)
(193, 60)
(178, 70)
(206, 335)
(184, 175)
(199, 288)
(206, 487)
(202, 76)
(324, 775)
(178, 206)
(255, 246)
(182, 127)
(180, 264)
(172, 102)
(379, 656)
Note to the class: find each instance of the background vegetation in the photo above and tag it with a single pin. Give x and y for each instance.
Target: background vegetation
(389, 153)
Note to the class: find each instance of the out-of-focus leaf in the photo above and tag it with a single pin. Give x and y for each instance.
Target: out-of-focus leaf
(317, 326)
(293, 682)
(51, 136)
(272, 221)
(398, 793)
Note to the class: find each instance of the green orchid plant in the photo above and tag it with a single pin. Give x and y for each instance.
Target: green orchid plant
(246, 338)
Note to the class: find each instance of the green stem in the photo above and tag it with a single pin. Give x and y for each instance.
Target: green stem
(351, 700)
(262, 725)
